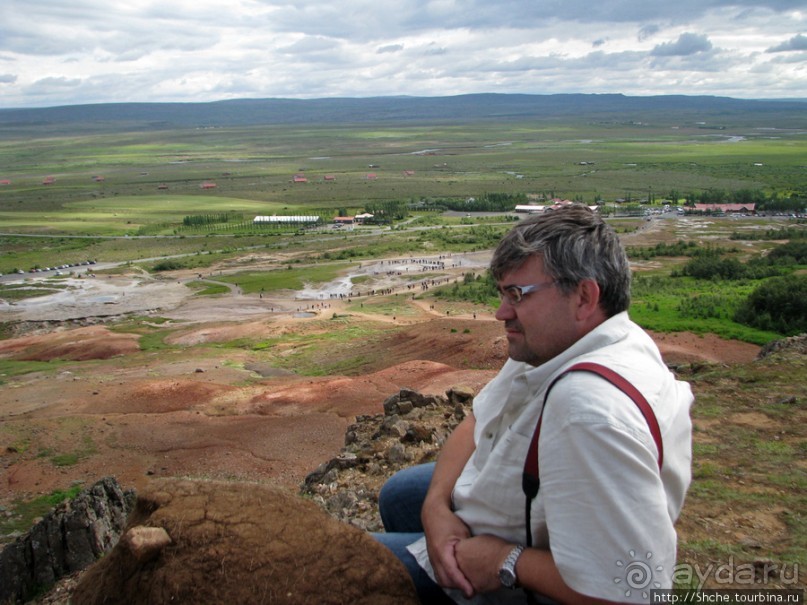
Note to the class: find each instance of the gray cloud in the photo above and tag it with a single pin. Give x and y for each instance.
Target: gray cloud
(798, 42)
(368, 20)
(647, 31)
(435, 49)
(88, 51)
(310, 44)
(686, 44)
(57, 82)
(390, 48)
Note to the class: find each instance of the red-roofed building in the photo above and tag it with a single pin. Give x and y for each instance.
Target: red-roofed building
(300, 178)
(741, 208)
(208, 185)
(372, 176)
(49, 180)
(5, 182)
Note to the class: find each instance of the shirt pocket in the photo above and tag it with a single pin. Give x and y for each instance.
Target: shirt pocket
(499, 482)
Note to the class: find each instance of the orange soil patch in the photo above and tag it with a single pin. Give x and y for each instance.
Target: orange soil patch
(351, 396)
(79, 344)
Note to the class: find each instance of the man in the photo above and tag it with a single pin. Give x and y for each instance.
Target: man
(602, 522)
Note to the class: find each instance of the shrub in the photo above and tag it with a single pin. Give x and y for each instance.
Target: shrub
(791, 250)
(168, 265)
(779, 304)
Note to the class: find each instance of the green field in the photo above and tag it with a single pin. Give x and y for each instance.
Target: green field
(129, 197)
(253, 169)
(152, 180)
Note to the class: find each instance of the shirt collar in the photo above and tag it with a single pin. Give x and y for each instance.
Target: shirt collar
(607, 333)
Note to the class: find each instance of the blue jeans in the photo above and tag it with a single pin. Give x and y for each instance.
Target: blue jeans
(399, 503)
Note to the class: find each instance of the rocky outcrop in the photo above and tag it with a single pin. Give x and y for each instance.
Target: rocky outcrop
(238, 543)
(411, 430)
(796, 345)
(66, 540)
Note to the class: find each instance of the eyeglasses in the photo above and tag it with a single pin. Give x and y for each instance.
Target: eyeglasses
(513, 295)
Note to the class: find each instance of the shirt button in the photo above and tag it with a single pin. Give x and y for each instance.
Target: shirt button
(489, 435)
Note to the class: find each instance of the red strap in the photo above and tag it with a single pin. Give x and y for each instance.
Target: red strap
(531, 481)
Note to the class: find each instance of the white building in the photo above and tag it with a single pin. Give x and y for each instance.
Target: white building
(285, 220)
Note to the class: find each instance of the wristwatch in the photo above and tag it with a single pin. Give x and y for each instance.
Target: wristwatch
(507, 572)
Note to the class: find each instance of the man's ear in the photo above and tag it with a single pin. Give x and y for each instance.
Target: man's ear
(588, 304)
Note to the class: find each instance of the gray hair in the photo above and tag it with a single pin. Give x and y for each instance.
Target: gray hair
(575, 244)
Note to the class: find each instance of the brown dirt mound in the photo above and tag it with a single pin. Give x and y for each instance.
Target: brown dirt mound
(460, 343)
(350, 396)
(242, 543)
(480, 343)
(685, 347)
(212, 333)
(158, 396)
(80, 344)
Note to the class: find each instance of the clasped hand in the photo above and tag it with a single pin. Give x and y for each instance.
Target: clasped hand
(479, 558)
(467, 563)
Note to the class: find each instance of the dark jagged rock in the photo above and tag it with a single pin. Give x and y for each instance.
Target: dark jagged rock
(411, 430)
(66, 540)
(793, 344)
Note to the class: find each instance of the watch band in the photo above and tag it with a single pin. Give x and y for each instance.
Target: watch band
(507, 572)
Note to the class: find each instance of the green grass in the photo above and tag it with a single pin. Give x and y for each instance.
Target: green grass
(207, 289)
(18, 291)
(397, 307)
(323, 349)
(288, 278)
(10, 368)
(22, 514)
(749, 433)
(153, 341)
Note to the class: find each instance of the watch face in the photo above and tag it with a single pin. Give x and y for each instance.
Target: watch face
(507, 578)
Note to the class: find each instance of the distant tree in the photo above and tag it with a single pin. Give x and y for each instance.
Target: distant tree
(779, 304)
(710, 264)
(797, 251)
(795, 204)
(713, 196)
(387, 211)
(168, 265)
(714, 267)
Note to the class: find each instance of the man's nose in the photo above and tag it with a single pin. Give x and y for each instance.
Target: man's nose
(505, 311)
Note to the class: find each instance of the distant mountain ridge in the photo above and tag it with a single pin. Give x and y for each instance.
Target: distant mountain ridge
(472, 107)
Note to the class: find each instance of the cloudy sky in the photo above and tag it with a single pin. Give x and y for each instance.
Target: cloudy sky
(62, 52)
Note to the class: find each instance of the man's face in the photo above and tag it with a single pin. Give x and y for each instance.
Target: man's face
(543, 324)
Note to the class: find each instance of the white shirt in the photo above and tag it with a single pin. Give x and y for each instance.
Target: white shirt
(603, 508)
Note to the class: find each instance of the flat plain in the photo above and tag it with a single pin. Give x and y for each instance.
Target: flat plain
(247, 354)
